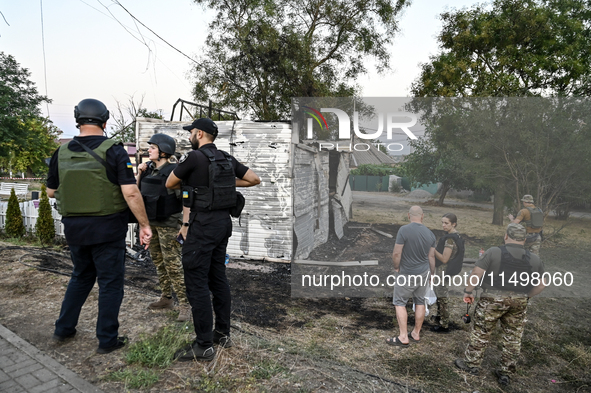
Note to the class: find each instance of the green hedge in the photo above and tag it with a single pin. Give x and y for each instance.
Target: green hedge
(376, 170)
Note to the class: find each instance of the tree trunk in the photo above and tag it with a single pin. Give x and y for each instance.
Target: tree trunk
(499, 204)
(444, 189)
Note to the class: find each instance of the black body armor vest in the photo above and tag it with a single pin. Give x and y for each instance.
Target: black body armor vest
(159, 201)
(221, 192)
(512, 269)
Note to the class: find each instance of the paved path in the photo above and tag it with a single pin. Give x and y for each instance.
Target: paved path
(24, 368)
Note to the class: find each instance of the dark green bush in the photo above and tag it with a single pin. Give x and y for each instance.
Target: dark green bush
(14, 219)
(45, 228)
(376, 170)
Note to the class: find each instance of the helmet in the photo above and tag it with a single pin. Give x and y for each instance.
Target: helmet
(165, 143)
(91, 111)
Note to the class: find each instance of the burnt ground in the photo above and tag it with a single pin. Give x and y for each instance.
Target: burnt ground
(298, 344)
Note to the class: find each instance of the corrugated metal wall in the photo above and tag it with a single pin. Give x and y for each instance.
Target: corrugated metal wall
(311, 206)
(265, 228)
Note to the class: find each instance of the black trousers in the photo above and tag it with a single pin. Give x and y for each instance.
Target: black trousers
(204, 253)
(105, 263)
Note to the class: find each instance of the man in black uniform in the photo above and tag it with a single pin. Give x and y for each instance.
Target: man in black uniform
(209, 178)
(92, 179)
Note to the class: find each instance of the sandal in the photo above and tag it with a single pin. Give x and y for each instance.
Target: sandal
(396, 342)
(411, 338)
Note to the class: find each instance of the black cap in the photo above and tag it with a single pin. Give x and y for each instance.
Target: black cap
(204, 124)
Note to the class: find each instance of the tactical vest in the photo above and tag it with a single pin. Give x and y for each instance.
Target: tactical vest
(512, 268)
(536, 220)
(454, 265)
(221, 192)
(160, 203)
(85, 189)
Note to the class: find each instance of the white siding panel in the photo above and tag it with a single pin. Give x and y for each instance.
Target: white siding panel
(265, 228)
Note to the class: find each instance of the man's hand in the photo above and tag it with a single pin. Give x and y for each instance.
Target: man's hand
(145, 236)
(183, 231)
(468, 298)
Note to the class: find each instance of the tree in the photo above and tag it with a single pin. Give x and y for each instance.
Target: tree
(260, 54)
(14, 226)
(512, 48)
(26, 138)
(427, 164)
(125, 116)
(38, 141)
(45, 227)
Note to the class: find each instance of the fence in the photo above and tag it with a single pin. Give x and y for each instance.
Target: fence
(369, 183)
(30, 212)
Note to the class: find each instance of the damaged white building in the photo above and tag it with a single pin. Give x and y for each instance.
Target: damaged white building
(304, 194)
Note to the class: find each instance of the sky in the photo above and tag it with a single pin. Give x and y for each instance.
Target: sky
(77, 49)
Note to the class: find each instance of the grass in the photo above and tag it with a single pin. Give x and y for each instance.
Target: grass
(267, 368)
(157, 350)
(32, 241)
(135, 378)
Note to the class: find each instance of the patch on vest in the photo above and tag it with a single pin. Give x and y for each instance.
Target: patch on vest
(183, 158)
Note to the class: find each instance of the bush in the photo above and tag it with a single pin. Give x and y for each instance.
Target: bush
(45, 228)
(395, 188)
(14, 219)
(375, 170)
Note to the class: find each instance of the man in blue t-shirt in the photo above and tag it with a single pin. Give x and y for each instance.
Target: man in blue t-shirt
(414, 261)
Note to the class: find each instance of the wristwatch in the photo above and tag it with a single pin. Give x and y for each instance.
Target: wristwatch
(185, 224)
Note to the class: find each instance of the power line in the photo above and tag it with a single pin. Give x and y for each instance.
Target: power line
(153, 32)
(4, 18)
(44, 61)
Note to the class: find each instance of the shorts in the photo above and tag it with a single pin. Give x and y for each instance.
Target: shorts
(411, 285)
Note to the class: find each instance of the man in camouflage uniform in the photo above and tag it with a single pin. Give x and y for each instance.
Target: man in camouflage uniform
(524, 217)
(500, 302)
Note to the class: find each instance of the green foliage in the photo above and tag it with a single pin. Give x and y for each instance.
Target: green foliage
(395, 188)
(260, 54)
(14, 226)
(135, 378)
(429, 164)
(26, 138)
(157, 350)
(45, 228)
(375, 170)
(512, 48)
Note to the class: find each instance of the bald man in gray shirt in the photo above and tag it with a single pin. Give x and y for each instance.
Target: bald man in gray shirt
(414, 261)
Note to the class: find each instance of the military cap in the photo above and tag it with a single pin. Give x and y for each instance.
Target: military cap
(527, 198)
(516, 232)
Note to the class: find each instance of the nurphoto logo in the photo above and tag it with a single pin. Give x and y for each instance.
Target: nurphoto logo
(390, 121)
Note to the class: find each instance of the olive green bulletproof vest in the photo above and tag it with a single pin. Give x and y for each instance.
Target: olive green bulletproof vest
(85, 189)
(536, 220)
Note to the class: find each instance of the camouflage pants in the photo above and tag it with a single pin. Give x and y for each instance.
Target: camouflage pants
(166, 254)
(442, 292)
(533, 243)
(490, 309)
